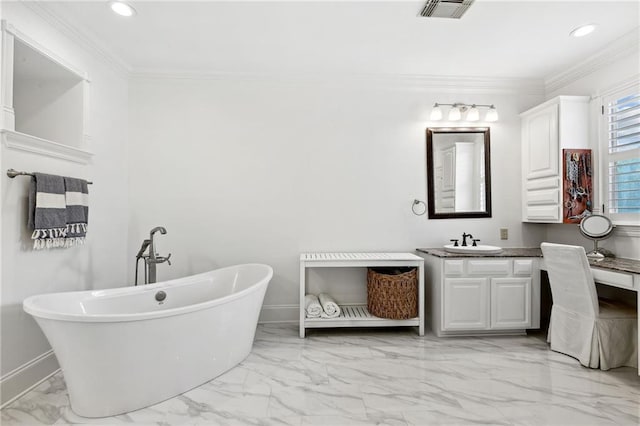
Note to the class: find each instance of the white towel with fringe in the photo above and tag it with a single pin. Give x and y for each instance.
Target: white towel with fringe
(312, 306)
(329, 306)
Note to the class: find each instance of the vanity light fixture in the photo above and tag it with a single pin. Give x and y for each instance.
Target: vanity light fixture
(122, 8)
(492, 114)
(455, 113)
(583, 30)
(472, 112)
(436, 112)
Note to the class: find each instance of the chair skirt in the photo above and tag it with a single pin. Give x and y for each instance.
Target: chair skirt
(606, 342)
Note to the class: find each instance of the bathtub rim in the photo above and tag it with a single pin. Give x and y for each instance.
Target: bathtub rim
(30, 306)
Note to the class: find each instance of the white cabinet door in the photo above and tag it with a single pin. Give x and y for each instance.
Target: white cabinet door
(465, 304)
(540, 143)
(540, 165)
(510, 303)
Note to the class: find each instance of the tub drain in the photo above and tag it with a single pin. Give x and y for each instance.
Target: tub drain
(160, 296)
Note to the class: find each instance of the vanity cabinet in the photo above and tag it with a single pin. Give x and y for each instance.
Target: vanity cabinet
(482, 295)
(562, 122)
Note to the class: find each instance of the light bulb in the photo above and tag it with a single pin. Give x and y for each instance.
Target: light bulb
(454, 114)
(492, 114)
(436, 113)
(473, 114)
(122, 9)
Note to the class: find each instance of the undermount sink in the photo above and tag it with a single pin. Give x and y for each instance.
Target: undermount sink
(480, 249)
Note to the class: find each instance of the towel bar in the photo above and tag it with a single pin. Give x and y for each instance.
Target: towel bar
(13, 173)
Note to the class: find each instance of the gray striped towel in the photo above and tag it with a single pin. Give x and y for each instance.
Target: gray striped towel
(77, 203)
(58, 211)
(47, 211)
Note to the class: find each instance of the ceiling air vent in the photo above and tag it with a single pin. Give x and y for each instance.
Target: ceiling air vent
(445, 8)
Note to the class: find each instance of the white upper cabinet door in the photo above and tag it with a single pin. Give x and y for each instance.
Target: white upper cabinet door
(540, 143)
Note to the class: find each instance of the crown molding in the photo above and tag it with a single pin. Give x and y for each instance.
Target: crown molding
(427, 83)
(88, 43)
(623, 47)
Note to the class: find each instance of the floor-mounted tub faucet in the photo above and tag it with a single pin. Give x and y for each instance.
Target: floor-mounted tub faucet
(151, 259)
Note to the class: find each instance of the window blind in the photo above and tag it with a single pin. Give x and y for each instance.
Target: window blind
(622, 115)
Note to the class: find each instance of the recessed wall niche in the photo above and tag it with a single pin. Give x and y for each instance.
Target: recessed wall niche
(47, 98)
(44, 99)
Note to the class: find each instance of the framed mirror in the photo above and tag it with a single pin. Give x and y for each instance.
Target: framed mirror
(458, 172)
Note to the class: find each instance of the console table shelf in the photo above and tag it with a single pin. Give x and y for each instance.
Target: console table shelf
(357, 315)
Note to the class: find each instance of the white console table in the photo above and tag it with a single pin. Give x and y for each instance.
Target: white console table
(358, 315)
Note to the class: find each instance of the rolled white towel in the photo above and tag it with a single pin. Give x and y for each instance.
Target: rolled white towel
(329, 306)
(312, 306)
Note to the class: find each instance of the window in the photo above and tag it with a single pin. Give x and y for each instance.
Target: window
(621, 155)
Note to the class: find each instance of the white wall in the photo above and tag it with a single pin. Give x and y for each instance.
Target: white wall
(625, 241)
(261, 170)
(99, 264)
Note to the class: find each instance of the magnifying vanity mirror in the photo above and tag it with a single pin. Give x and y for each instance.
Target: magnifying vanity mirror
(596, 227)
(458, 172)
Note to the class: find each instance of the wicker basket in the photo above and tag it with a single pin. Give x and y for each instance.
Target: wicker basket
(392, 295)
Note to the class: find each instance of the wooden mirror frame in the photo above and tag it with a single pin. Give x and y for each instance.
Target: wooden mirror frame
(431, 131)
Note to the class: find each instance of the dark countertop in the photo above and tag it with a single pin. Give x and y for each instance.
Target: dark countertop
(506, 252)
(621, 264)
(631, 266)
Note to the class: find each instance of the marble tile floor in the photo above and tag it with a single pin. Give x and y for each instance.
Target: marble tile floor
(378, 377)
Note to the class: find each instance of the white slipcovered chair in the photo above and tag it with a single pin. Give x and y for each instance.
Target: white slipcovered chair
(599, 333)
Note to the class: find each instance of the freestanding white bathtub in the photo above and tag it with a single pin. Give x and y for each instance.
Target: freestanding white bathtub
(121, 349)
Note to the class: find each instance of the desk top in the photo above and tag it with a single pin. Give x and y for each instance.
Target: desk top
(631, 266)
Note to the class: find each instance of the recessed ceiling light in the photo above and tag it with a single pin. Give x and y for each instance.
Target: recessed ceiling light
(583, 30)
(122, 8)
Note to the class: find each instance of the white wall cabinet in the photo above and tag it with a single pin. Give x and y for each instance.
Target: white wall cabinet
(562, 122)
(482, 295)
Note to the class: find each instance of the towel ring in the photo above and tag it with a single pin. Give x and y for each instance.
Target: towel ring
(417, 203)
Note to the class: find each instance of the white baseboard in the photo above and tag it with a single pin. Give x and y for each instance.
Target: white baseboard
(279, 313)
(26, 377)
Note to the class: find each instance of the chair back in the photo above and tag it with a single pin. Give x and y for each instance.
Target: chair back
(572, 285)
